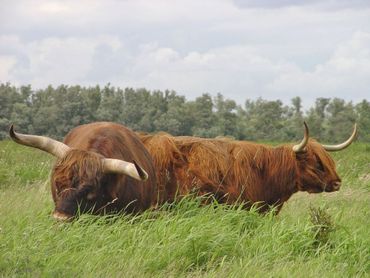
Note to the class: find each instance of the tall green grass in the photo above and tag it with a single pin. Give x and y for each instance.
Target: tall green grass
(314, 235)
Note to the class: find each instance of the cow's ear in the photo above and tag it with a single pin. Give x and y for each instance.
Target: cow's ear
(301, 156)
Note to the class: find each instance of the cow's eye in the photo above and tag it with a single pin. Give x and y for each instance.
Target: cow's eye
(320, 166)
(91, 196)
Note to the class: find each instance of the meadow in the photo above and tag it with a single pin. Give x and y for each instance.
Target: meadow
(315, 235)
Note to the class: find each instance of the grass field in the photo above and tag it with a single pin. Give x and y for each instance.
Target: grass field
(317, 235)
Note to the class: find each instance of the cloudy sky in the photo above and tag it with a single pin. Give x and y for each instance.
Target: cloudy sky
(242, 48)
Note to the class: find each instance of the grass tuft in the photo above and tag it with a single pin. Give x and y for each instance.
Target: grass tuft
(322, 227)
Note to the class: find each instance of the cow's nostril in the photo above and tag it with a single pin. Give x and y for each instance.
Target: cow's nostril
(336, 185)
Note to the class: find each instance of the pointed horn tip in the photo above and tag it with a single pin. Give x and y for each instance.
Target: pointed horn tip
(142, 174)
(355, 131)
(12, 132)
(344, 145)
(306, 129)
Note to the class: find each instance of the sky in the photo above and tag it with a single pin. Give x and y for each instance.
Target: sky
(243, 49)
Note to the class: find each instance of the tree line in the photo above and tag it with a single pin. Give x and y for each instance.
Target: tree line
(55, 111)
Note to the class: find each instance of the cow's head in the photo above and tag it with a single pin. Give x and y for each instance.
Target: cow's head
(78, 175)
(316, 169)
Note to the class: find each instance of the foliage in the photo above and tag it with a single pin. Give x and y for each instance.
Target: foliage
(54, 111)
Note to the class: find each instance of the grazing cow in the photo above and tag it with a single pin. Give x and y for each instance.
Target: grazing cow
(239, 171)
(97, 170)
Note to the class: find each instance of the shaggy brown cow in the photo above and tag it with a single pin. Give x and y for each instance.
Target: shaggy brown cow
(238, 171)
(97, 170)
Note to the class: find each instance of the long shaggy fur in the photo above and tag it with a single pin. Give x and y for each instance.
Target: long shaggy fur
(166, 158)
(238, 171)
(78, 178)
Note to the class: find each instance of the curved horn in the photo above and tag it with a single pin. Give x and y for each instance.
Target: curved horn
(43, 143)
(300, 147)
(118, 166)
(339, 147)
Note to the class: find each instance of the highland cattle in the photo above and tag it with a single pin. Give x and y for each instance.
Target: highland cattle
(242, 172)
(100, 167)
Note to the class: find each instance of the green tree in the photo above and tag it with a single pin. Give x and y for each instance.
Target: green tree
(174, 117)
(293, 127)
(265, 119)
(55, 111)
(363, 120)
(22, 110)
(44, 115)
(203, 118)
(136, 109)
(316, 118)
(6, 107)
(111, 105)
(91, 98)
(225, 117)
(340, 120)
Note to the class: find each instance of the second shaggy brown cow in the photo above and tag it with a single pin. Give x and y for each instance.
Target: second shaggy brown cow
(239, 171)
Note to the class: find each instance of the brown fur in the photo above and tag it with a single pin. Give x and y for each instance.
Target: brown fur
(239, 171)
(206, 165)
(166, 157)
(78, 181)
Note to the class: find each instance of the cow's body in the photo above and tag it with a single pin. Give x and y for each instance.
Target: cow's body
(238, 171)
(80, 182)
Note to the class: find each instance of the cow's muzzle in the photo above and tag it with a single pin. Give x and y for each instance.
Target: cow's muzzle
(60, 216)
(333, 186)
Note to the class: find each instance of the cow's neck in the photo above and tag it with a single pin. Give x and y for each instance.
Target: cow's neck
(278, 174)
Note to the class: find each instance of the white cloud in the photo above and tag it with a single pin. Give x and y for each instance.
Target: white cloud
(52, 60)
(345, 74)
(250, 50)
(7, 63)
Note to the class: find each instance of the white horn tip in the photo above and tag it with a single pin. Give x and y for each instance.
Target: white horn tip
(142, 173)
(12, 133)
